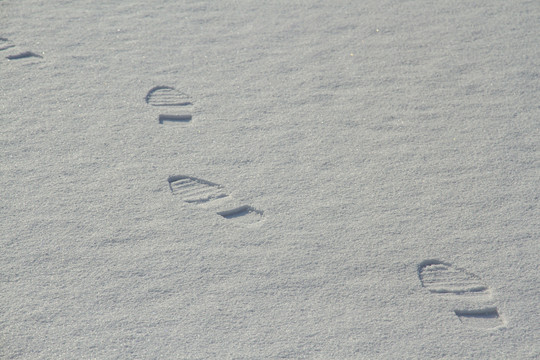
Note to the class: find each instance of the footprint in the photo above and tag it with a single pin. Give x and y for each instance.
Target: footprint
(439, 277)
(199, 191)
(6, 44)
(166, 96)
(473, 294)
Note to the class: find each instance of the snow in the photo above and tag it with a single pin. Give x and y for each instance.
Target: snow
(335, 149)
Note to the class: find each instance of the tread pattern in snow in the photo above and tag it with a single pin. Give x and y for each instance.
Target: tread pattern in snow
(193, 190)
(166, 96)
(439, 277)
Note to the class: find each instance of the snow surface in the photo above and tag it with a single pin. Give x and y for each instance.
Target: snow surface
(367, 173)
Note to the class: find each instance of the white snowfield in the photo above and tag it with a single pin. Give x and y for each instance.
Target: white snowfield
(269, 179)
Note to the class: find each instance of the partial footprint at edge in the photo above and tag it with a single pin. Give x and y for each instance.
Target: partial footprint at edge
(475, 309)
(167, 96)
(199, 191)
(5, 44)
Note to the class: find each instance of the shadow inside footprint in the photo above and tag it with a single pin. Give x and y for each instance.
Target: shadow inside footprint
(174, 118)
(245, 213)
(481, 319)
(23, 55)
